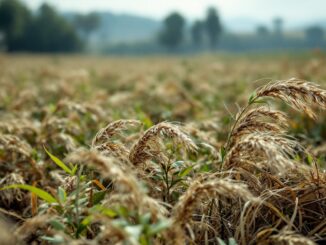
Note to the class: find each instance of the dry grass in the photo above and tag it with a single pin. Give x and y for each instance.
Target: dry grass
(253, 173)
(148, 145)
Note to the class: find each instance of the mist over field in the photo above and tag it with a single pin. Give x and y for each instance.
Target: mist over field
(126, 27)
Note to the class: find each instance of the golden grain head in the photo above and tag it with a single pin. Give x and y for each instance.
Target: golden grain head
(123, 179)
(7, 197)
(274, 151)
(216, 188)
(15, 148)
(115, 128)
(251, 123)
(147, 145)
(299, 94)
(260, 119)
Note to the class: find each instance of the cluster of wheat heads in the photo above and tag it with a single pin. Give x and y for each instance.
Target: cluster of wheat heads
(151, 187)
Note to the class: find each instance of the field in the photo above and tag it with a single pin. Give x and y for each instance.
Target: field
(225, 149)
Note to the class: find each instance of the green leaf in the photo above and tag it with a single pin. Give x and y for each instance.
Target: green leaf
(82, 201)
(259, 102)
(220, 241)
(98, 197)
(145, 218)
(59, 163)
(83, 225)
(175, 181)
(109, 212)
(123, 211)
(205, 168)
(143, 117)
(62, 195)
(120, 223)
(57, 225)
(310, 159)
(252, 98)
(184, 172)
(177, 164)
(106, 211)
(222, 152)
(57, 239)
(147, 122)
(103, 210)
(134, 231)
(160, 226)
(37, 191)
(232, 241)
(74, 170)
(143, 240)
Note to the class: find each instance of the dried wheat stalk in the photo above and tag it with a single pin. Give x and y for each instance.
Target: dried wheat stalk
(256, 120)
(148, 144)
(114, 128)
(213, 189)
(299, 94)
(272, 150)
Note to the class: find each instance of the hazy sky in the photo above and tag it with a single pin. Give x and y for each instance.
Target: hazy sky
(262, 10)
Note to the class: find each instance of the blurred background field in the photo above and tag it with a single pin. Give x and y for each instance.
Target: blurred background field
(186, 89)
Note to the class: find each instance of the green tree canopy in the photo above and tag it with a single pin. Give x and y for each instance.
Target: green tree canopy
(213, 26)
(87, 23)
(46, 31)
(262, 31)
(314, 35)
(51, 32)
(14, 20)
(173, 31)
(197, 31)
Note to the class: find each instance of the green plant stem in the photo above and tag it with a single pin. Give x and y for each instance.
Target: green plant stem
(77, 197)
(228, 142)
(227, 145)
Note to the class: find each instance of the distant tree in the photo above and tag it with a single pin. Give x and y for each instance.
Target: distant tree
(50, 32)
(173, 30)
(213, 26)
(262, 31)
(314, 35)
(278, 26)
(46, 31)
(197, 31)
(14, 19)
(87, 23)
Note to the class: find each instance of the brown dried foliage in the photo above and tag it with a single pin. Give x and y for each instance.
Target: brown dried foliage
(261, 191)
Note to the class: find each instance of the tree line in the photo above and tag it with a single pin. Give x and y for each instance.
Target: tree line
(43, 31)
(209, 29)
(208, 33)
(46, 30)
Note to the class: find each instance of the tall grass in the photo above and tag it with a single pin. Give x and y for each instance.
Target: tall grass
(67, 178)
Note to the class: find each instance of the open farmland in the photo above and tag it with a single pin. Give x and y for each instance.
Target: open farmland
(163, 150)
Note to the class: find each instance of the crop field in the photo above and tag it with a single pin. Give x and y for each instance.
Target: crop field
(224, 149)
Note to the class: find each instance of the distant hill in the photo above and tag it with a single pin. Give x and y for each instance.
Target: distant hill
(245, 24)
(117, 28)
(241, 24)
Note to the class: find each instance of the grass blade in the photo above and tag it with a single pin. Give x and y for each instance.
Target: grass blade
(37, 191)
(59, 163)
